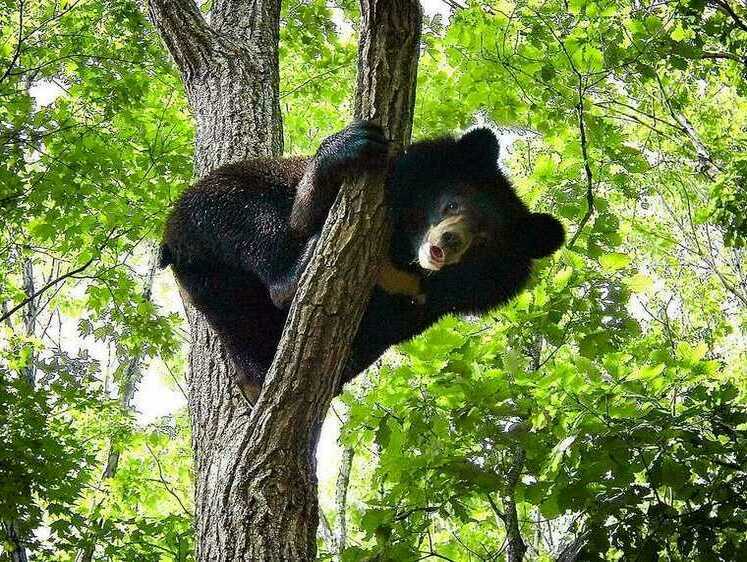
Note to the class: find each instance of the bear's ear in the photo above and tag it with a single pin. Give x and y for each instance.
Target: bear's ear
(541, 234)
(481, 147)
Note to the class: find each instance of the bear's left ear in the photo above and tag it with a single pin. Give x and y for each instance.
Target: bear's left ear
(481, 147)
(541, 234)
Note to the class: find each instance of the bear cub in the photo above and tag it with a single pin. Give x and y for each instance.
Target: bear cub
(463, 242)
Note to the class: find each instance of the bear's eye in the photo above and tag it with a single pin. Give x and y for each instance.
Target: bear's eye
(451, 207)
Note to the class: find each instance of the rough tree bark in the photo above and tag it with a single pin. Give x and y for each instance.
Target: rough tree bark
(255, 496)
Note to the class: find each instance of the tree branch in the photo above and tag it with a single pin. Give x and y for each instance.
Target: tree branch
(722, 55)
(582, 129)
(706, 164)
(331, 299)
(61, 278)
(499, 515)
(587, 171)
(46, 287)
(724, 7)
(187, 35)
(308, 81)
(167, 486)
(388, 54)
(17, 52)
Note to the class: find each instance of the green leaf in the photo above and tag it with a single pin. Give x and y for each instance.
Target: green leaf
(639, 283)
(614, 261)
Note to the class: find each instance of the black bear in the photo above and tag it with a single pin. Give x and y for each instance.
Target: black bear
(463, 242)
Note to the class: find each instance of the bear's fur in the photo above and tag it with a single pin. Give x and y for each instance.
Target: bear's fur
(239, 239)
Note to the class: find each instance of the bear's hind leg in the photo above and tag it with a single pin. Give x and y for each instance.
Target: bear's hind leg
(284, 289)
(238, 308)
(249, 373)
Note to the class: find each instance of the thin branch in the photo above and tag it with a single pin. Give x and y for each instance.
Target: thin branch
(165, 482)
(725, 8)
(175, 380)
(433, 554)
(722, 55)
(17, 52)
(454, 5)
(587, 170)
(46, 287)
(582, 129)
(313, 78)
(707, 165)
(458, 539)
(497, 512)
(56, 17)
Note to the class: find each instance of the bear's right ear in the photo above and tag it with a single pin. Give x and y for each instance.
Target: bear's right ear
(480, 146)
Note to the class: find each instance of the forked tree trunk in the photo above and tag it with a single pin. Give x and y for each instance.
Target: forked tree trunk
(256, 496)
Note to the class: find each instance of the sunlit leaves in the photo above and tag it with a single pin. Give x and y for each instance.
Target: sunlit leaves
(605, 363)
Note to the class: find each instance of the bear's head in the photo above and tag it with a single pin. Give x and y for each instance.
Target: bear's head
(453, 205)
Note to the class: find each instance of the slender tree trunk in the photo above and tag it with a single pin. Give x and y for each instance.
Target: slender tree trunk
(256, 496)
(29, 316)
(12, 529)
(341, 502)
(335, 538)
(130, 379)
(516, 546)
(18, 554)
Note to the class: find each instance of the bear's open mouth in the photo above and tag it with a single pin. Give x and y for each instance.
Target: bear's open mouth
(437, 254)
(431, 257)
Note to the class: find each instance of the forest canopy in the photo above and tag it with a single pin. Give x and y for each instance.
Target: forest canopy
(600, 415)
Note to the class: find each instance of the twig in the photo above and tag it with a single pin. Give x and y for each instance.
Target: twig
(315, 77)
(165, 482)
(17, 53)
(44, 289)
(582, 129)
(725, 8)
(587, 170)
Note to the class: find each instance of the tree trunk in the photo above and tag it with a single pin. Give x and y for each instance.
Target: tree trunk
(12, 529)
(341, 501)
(255, 497)
(131, 376)
(516, 548)
(17, 552)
